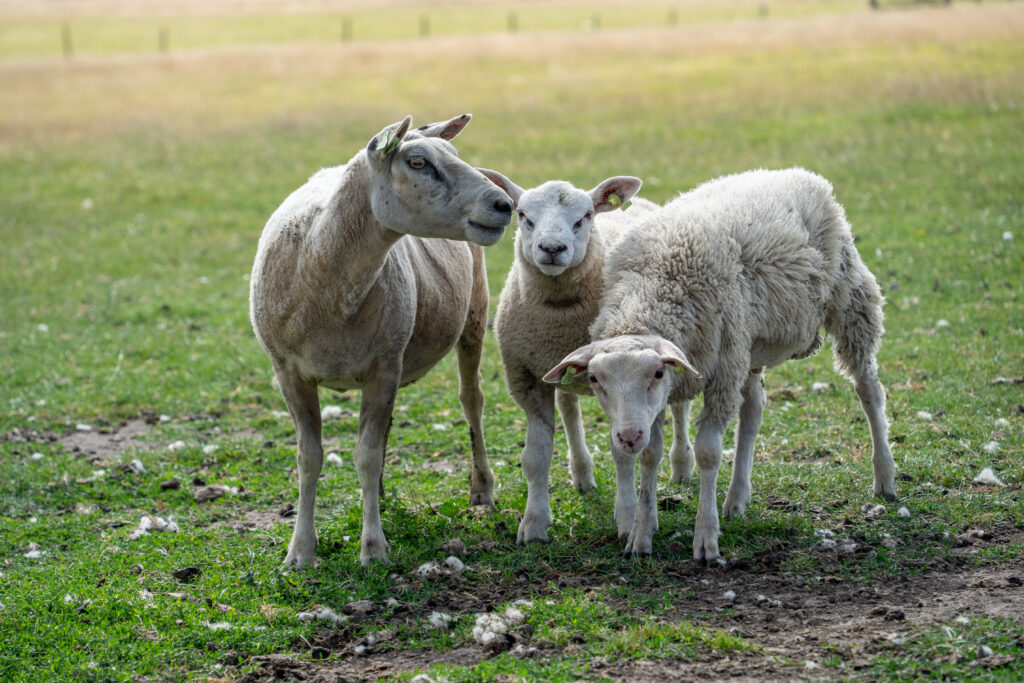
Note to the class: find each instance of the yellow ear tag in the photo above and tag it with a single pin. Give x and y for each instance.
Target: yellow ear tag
(679, 369)
(568, 375)
(614, 199)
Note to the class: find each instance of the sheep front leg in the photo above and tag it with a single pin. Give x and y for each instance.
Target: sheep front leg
(709, 457)
(539, 404)
(751, 412)
(581, 463)
(469, 351)
(625, 490)
(303, 403)
(375, 410)
(681, 455)
(646, 517)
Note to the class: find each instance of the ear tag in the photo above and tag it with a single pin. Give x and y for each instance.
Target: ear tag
(390, 145)
(569, 375)
(614, 200)
(679, 369)
(627, 205)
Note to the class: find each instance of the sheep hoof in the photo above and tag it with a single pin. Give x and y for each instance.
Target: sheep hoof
(481, 498)
(889, 495)
(530, 533)
(586, 486)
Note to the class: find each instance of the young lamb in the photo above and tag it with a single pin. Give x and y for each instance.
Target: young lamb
(738, 275)
(546, 307)
(347, 295)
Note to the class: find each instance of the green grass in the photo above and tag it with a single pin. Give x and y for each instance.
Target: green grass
(129, 235)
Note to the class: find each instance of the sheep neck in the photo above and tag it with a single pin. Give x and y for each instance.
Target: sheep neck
(349, 246)
(579, 285)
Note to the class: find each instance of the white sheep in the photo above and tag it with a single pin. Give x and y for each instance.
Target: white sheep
(741, 273)
(546, 307)
(344, 295)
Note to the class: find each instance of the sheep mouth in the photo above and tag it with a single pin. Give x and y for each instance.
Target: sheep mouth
(487, 228)
(484, 235)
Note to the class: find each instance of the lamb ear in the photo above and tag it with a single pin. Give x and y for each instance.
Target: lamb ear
(671, 355)
(575, 362)
(446, 130)
(386, 141)
(615, 193)
(511, 189)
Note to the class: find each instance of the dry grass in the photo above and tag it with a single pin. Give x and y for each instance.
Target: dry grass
(48, 100)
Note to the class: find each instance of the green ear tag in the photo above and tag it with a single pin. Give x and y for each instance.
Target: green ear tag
(679, 369)
(614, 199)
(567, 377)
(391, 145)
(627, 205)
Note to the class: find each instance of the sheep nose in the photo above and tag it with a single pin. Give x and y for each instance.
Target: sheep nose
(628, 438)
(502, 205)
(553, 249)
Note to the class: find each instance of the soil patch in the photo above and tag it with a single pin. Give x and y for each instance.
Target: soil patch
(101, 445)
(800, 622)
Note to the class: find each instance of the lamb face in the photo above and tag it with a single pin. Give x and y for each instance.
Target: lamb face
(554, 226)
(421, 187)
(631, 376)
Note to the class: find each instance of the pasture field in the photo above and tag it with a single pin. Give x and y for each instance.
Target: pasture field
(136, 184)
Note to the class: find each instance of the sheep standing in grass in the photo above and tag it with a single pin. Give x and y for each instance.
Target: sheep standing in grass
(546, 307)
(347, 295)
(738, 275)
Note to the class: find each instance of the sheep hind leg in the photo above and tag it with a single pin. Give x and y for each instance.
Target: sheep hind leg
(681, 455)
(856, 332)
(469, 351)
(303, 403)
(751, 411)
(872, 400)
(375, 410)
(581, 463)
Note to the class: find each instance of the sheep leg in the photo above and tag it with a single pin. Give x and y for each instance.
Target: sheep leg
(646, 517)
(469, 351)
(872, 400)
(625, 491)
(708, 452)
(751, 411)
(378, 402)
(681, 455)
(581, 463)
(303, 403)
(539, 404)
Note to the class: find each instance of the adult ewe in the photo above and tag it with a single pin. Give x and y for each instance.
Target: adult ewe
(735, 276)
(347, 295)
(546, 307)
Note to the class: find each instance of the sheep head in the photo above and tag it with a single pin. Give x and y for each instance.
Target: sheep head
(631, 376)
(555, 218)
(419, 186)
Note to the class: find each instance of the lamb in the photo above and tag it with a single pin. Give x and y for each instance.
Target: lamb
(546, 307)
(736, 276)
(345, 294)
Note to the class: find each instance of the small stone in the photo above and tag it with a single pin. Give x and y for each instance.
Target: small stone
(205, 494)
(454, 546)
(170, 485)
(82, 427)
(729, 595)
(360, 607)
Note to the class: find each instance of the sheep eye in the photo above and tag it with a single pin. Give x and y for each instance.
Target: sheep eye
(593, 378)
(659, 374)
(524, 221)
(418, 163)
(578, 224)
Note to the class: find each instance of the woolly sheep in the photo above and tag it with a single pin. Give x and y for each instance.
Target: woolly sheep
(741, 273)
(345, 294)
(546, 307)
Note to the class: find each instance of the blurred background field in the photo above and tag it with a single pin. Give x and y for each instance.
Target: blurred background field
(142, 149)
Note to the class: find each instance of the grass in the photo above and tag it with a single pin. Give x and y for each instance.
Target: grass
(130, 222)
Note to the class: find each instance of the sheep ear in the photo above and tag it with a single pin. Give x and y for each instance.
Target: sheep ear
(615, 193)
(575, 362)
(446, 130)
(386, 141)
(511, 189)
(671, 354)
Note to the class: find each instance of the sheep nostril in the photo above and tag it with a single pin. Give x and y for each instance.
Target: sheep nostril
(553, 249)
(503, 205)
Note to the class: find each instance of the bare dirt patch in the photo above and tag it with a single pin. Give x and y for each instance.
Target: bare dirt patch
(107, 444)
(799, 621)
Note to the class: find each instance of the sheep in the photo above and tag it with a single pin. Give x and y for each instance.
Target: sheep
(545, 310)
(345, 294)
(736, 276)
